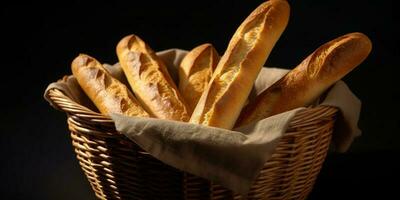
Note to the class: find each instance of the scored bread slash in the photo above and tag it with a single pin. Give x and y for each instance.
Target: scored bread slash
(195, 72)
(305, 83)
(150, 80)
(250, 46)
(106, 92)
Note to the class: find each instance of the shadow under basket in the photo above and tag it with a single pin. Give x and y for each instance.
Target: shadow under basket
(119, 169)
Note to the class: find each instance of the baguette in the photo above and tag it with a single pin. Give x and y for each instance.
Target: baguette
(107, 93)
(195, 72)
(230, 85)
(305, 83)
(150, 80)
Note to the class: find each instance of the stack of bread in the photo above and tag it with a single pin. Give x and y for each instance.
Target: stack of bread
(214, 90)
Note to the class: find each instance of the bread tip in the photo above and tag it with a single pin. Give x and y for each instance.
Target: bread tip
(125, 41)
(129, 42)
(359, 35)
(283, 3)
(82, 60)
(280, 9)
(206, 45)
(367, 41)
(132, 35)
(78, 60)
(362, 41)
(80, 56)
(284, 7)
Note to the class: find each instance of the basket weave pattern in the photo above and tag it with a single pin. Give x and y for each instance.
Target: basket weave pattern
(118, 169)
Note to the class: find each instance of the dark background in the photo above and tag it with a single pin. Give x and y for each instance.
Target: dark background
(41, 39)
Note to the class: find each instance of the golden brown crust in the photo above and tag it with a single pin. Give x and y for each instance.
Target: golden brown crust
(222, 101)
(107, 93)
(150, 80)
(302, 85)
(195, 72)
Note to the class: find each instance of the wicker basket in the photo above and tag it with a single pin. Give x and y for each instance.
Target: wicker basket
(118, 169)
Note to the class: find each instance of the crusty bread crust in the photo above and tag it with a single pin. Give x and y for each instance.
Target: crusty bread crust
(150, 80)
(250, 46)
(107, 93)
(302, 85)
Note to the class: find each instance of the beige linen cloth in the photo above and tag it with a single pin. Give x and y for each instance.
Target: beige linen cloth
(232, 158)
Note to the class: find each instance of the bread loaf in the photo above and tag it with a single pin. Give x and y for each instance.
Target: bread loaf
(195, 72)
(150, 80)
(107, 93)
(230, 85)
(305, 83)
